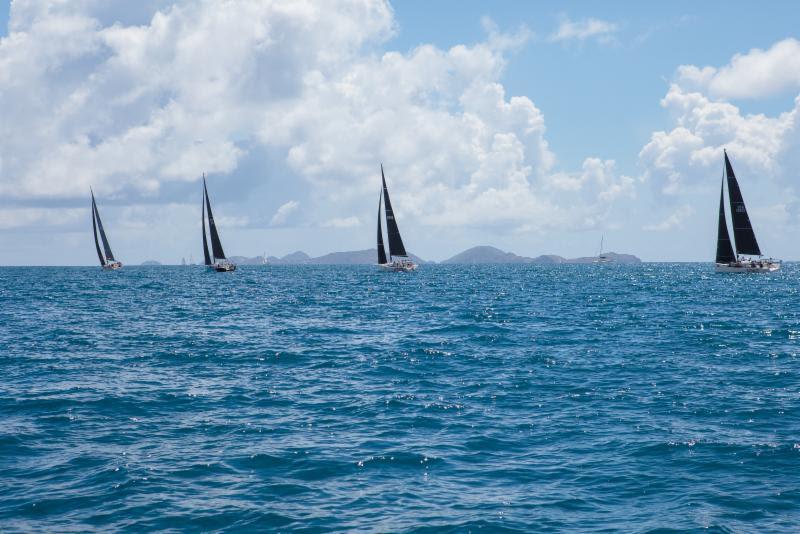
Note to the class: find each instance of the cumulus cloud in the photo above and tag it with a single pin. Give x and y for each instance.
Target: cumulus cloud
(15, 218)
(755, 74)
(684, 163)
(692, 151)
(282, 214)
(675, 220)
(581, 30)
(137, 104)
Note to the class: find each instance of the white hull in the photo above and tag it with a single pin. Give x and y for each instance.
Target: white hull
(399, 266)
(223, 267)
(112, 266)
(748, 267)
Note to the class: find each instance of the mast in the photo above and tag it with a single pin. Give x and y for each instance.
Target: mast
(203, 218)
(744, 236)
(381, 251)
(396, 247)
(109, 256)
(724, 248)
(216, 245)
(94, 228)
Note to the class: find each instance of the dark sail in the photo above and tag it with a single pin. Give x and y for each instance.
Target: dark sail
(396, 247)
(724, 247)
(743, 233)
(381, 251)
(205, 241)
(216, 245)
(106, 246)
(94, 227)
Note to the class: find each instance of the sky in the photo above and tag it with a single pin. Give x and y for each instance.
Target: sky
(535, 127)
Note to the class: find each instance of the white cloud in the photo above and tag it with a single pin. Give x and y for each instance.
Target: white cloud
(134, 108)
(684, 163)
(15, 218)
(597, 176)
(124, 105)
(691, 153)
(756, 74)
(589, 28)
(675, 220)
(282, 214)
(342, 222)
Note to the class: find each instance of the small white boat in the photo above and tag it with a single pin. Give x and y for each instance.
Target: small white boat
(215, 260)
(746, 257)
(107, 261)
(397, 259)
(600, 257)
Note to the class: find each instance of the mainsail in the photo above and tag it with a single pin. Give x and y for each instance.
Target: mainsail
(94, 227)
(743, 233)
(203, 218)
(724, 248)
(97, 225)
(216, 245)
(381, 250)
(396, 247)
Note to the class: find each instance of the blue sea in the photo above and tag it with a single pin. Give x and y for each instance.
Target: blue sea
(454, 399)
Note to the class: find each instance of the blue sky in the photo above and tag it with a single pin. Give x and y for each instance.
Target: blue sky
(600, 99)
(534, 127)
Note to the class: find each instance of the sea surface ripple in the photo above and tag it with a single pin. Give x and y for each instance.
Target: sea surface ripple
(457, 398)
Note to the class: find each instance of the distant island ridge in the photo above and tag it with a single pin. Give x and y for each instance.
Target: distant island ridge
(474, 256)
(487, 254)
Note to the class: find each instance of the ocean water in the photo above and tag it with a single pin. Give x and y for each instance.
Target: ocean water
(457, 398)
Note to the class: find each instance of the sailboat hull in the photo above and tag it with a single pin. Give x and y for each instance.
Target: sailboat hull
(399, 266)
(223, 267)
(113, 266)
(748, 267)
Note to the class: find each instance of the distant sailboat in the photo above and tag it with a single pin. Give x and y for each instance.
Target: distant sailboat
(728, 261)
(216, 260)
(600, 257)
(395, 257)
(107, 261)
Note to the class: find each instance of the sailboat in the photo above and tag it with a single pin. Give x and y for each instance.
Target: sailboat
(728, 261)
(600, 257)
(107, 261)
(216, 260)
(394, 257)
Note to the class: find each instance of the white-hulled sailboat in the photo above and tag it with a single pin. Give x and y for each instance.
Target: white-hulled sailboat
(216, 260)
(600, 258)
(107, 261)
(397, 259)
(746, 246)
